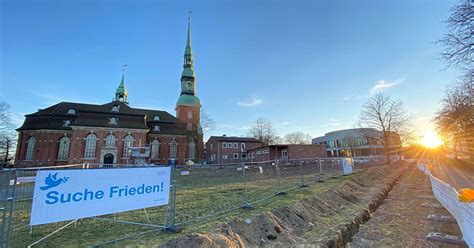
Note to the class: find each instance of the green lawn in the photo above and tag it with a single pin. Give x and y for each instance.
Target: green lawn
(202, 202)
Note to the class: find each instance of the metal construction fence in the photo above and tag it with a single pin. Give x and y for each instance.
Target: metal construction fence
(447, 195)
(197, 193)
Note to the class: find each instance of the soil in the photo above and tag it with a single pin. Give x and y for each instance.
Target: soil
(402, 221)
(327, 219)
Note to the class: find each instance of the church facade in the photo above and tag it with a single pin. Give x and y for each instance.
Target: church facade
(70, 133)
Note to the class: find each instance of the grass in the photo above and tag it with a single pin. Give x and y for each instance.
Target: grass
(203, 195)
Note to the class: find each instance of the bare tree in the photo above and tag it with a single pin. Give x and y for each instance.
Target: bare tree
(297, 138)
(262, 130)
(7, 137)
(388, 119)
(7, 149)
(350, 143)
(459, 41)
(455, 120)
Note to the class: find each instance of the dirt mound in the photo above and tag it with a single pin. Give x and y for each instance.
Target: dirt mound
(306, 222)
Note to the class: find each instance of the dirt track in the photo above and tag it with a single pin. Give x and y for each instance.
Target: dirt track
(327, 219)
(402, 221)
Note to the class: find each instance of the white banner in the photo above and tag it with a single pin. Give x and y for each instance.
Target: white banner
(73, 194)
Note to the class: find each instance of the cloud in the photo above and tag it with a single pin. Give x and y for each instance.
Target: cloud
(347, 98)
(253, 101)
(382, 85)
(284, 123)
(332, 123)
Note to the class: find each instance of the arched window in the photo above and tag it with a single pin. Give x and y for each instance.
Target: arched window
(30, 149)
(155, 149)
(110, 140)
(192, 150)
(127, 142)
(156, 118)
(89, 151)
(113, 121)
(115, 108)
(71, 112)
(173, 149)
(63, 151)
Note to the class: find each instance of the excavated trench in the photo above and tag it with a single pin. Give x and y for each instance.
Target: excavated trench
(327, 219)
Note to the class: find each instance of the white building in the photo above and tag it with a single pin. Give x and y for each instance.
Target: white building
(353, 142)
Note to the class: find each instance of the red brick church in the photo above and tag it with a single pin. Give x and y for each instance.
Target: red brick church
(69, 133)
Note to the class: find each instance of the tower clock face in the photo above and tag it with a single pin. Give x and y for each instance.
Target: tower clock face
(188, 85)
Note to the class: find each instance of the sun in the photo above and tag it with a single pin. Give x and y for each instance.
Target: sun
(430, 139)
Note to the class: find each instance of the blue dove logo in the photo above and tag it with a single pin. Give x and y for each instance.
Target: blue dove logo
(52, 181)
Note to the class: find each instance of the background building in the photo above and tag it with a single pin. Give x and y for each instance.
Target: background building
(68, 133)
(290, 151)
(355, 142)
(223, 149)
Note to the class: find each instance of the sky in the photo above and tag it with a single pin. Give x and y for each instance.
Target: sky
(306, 66)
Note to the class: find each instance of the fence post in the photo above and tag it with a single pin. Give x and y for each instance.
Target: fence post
(334, 174)
(170, 226)
(302, 175)
(246, 204)
(277, 168)
(319, 179)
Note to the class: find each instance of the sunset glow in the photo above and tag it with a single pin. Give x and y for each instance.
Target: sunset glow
(430, 139)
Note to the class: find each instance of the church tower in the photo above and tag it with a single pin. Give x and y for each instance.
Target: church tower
(188, 106)
(121, 94)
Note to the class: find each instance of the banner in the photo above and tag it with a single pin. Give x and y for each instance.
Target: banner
(61, 195)
(347, 166)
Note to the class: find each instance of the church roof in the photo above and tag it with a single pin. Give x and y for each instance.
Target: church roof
(95, 115)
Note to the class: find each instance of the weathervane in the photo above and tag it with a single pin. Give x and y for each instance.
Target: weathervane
(189, 16)
(123, 67)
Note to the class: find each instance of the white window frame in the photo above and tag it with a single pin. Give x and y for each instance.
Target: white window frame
(235, 155)
(127, 143)
(90, 147)
(284, 153)
(63, 150)
(110, 140)
(242, 146)
(229, 144)
(30, 149)
(224, 157)
(192, 150)
(155, 149)
(224, 145)
(173, 149)
(236, 145)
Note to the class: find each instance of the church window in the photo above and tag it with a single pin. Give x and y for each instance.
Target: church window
(89, 151)
(127, 143)
(110, 140)
(192, 150)
(63, 150)
(113, 121)
(30, 148)
(173, 149)
(66, 123)
(156, 118)
(155, 149)
(156, 128)
(115, 108)
(71, 112)
(190, 114)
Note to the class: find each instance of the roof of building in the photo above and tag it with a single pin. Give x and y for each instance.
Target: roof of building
(95, 115)
(233, 138)
(285, 146)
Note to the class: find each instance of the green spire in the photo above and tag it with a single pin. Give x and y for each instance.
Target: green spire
(121, 94)
(188, 51)
(188, 78)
